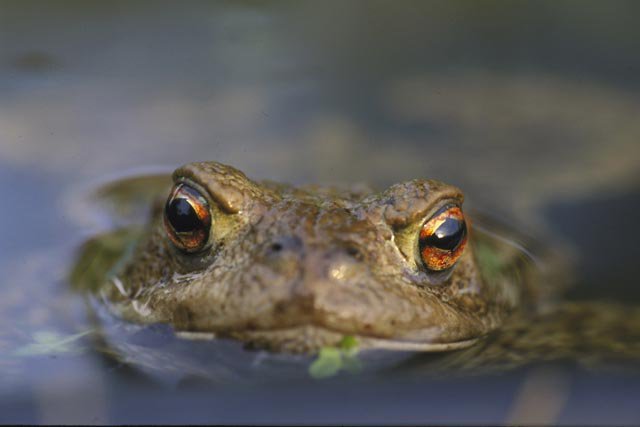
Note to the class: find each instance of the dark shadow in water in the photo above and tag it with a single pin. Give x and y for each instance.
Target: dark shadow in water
(34, 61)
(605, 234)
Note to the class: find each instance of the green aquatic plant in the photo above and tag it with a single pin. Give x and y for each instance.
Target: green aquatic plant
(331, 360)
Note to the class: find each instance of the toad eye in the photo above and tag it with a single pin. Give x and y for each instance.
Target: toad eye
(442, 239)
(187, 219)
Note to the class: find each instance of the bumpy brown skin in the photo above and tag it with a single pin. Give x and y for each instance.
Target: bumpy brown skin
(297, 268)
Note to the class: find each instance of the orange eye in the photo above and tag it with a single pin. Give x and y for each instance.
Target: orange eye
(443, 238)
(187, 219)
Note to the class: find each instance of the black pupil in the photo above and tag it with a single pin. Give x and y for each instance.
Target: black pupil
(182, 216)
(448, 236)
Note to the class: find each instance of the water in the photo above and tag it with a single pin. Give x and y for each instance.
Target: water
(530, 107)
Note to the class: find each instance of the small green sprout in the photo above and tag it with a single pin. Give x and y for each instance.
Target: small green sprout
(331, 360)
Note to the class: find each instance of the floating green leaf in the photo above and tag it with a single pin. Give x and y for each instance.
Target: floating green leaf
(327, 364)
(349, 345)
(331, 360)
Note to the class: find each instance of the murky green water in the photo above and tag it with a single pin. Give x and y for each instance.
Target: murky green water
(530, 107)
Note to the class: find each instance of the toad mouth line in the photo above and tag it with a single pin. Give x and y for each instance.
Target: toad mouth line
(365, 342)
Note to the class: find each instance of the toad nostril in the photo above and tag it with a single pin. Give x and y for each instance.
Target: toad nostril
(353, 252)
(282, 255)
(285, 243)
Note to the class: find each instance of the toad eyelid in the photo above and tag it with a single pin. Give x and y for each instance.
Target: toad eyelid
(201, 190)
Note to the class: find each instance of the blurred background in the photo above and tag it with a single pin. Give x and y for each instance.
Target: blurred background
(531, 107)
